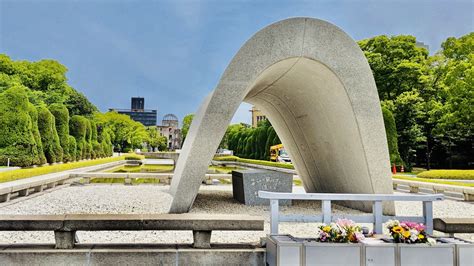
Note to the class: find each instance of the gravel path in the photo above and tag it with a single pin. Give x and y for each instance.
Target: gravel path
(155, 199)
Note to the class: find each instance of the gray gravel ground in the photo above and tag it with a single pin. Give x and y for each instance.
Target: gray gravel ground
(155, 199)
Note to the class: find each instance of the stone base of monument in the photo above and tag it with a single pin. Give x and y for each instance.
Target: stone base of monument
(288, 250)
(247, 183)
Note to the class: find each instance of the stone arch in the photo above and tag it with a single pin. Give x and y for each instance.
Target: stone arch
(316, 88)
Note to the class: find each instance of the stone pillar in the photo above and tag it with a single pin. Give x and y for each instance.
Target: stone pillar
(64, 239)
(202, 239)
(24, 192)
(5, 197)
(468, 196)
(38, 188)
(414, 189)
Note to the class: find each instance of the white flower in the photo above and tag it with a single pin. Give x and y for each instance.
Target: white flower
(431, 241)
(392, 223)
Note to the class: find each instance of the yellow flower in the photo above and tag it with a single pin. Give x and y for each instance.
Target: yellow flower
(406, 234)
(327, 228)
(397, 229)
(420, 236)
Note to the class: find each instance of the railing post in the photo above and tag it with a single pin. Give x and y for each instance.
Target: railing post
(327, 216)
(378, 215)
(274, 213)
(428, 215)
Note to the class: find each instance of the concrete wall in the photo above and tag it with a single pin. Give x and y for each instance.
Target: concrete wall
(317, 89)
(131, 255)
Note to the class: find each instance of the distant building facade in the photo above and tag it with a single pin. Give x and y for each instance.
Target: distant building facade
(422, 45)
(138, 112)
(257, 116)
(170, 129)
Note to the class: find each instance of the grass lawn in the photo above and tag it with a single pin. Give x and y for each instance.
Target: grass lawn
(142, 169)
(42, 170)
(223, 169)
(433, 181)
(135, 181)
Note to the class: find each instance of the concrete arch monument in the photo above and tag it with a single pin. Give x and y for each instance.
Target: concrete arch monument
(315, 86)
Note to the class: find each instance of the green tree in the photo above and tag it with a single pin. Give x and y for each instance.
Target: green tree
(72, 147)
(61, 116)
(392, 138)
(49, 135)
(187, 120)
(17, 141)
(78, 128)
(397, 63)
(155, 140)
(455, 117)
(41, 159)
(124, 132)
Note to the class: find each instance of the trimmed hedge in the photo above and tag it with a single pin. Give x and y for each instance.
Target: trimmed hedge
(29, 172)
(17, 141)
(77, 129)
(252, 161)
(447, 174)
(392, 137)
(41, 159)
(226, 158)
(49, 136)
(134, 157)
(61, 116)
(72, 147)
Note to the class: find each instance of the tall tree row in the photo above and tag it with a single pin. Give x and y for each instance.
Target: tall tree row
(44, 120)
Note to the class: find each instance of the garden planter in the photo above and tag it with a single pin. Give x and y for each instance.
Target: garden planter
(424, 254)
(379, 253)
(284, 250)
(465, 254)
(287, 250)
(329, 254)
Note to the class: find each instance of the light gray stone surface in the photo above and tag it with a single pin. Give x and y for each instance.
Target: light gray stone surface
(247, 183)
(314, 84)
(133, 255)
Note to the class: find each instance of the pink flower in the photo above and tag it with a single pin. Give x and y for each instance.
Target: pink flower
(345, 222)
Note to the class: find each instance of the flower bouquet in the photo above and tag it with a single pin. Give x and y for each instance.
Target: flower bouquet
(342, 231)
(408, 232)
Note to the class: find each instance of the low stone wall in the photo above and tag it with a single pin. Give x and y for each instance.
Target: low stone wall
(135, 255)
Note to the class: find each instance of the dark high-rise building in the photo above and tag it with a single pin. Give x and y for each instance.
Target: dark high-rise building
(138, 103)
(138, 112)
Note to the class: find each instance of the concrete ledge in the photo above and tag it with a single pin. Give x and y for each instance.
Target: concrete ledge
(414, 186)
(219, 254)
(454, 225)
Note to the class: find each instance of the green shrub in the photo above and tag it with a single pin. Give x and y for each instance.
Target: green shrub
(17, 141)
(252, 161)
(226, 158)
(88, 137)
(448, 174)
(49, 136)
(267, 163)
(133, 157)
(61, 116)
(77, 129)
(71, 143)
(40, 158)
(392, 137)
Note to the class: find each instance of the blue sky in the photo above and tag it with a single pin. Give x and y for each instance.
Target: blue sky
(174, 52)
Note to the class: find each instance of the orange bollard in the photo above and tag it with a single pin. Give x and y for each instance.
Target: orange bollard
(394, 169)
